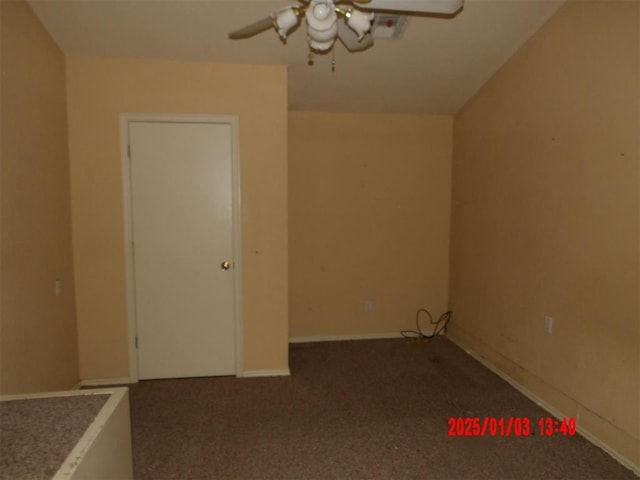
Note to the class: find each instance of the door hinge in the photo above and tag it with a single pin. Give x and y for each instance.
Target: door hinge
(136, 341)
(129, 150)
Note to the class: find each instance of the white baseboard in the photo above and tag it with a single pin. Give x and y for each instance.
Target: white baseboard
(335, 338)
(265, 373)
(105, 382)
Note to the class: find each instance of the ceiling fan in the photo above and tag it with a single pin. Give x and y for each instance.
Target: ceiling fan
(347, 20)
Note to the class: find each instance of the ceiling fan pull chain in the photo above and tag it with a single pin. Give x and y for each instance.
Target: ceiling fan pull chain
(333, 60)
(310, 58)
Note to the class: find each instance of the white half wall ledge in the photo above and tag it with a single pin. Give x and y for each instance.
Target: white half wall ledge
(102, 451)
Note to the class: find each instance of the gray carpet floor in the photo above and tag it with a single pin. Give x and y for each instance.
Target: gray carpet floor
(369, 409)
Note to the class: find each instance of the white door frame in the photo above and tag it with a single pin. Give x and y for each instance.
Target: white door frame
(232, 121)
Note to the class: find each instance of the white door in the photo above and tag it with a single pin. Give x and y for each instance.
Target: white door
(181, 209)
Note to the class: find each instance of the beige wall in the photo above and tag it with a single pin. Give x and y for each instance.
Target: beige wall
(98, 91)
(37, 329)
(545, 219)
(369, 200)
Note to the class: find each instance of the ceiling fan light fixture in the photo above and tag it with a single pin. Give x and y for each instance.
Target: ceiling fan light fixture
(354, 22)
(322, 27)
(359, 22)
(321, 10)
(285, 20)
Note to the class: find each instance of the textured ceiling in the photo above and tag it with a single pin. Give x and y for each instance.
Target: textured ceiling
(436, 65)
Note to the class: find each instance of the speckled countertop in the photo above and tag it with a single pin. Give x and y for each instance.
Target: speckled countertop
(37, 434)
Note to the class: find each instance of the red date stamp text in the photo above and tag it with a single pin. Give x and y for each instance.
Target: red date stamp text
(510, 426)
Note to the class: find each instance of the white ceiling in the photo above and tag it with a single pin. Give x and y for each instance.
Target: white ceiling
(435, 67)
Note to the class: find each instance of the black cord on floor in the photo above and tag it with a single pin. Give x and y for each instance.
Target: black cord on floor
(440, 325)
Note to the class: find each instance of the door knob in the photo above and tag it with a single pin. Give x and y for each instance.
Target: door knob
(225, 265)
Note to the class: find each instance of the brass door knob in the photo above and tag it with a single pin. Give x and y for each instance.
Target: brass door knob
(225, 265)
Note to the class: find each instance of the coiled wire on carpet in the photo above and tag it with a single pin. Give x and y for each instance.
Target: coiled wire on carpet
(440, 325)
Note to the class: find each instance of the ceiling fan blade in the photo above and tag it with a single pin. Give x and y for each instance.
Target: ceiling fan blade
(253, 29)
(349, 38)
(413, 6)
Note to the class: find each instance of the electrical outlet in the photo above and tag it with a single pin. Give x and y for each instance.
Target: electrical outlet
(368, 306)
(548, 325)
